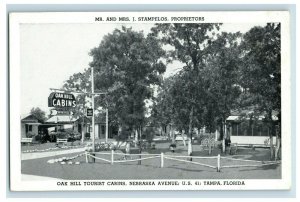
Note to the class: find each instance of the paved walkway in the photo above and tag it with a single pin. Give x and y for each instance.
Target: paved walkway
(37, 155)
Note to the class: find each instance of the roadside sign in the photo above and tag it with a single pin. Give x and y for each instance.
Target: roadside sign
(89, 112)
(57, 112)
(53, 112)
(61, 100)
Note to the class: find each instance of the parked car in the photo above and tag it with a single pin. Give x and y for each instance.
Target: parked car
(70, 135)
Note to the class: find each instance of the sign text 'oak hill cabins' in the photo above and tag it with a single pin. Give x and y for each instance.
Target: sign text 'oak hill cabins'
(61, 100)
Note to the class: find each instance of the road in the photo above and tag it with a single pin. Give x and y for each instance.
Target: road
(37, 155)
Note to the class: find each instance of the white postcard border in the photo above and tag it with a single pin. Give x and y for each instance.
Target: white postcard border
(89, 17)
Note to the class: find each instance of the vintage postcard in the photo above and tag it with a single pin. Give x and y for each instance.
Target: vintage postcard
(150, 101)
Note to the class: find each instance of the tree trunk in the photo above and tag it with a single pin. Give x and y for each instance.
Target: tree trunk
(136, 138)
(221, 131)
(278, 147)
(190, 149)
(271, 146)
(82, 131)
(119, 134)
(222, 135)
(172, 134)
(271, 131)
(140, 145)
(191, 133)
(278, 143)
(183, 140)
(209, 144)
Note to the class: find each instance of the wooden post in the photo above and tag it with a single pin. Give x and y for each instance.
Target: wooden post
(161, 159)
(190, 149)
(219, 163)
(112, 157)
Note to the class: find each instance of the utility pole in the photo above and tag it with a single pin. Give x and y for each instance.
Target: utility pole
(106, 125)
(93, 107)
(83, 128)
(93, 94)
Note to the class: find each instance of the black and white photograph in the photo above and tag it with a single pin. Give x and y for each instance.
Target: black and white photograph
(150, 101)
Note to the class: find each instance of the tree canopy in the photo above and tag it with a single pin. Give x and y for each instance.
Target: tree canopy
(79, 82)
(221, 72)
(39, 114)
(260, 69)
(127, 64)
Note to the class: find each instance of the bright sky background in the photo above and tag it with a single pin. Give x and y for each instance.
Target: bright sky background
(51, 53)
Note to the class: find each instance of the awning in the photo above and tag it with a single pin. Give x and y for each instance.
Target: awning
(241, 118)
(33, 123)
(61, 120)
(232, 118)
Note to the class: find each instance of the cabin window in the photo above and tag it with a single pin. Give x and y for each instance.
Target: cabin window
(234, 131)
(265, 130)
(257, 129)
(102, 129)
(28, 128)
(246, 128)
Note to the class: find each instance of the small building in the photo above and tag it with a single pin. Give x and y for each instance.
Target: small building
(30, 124)
(59, 122)
(100, 128)
(244, 129)
(82, 125)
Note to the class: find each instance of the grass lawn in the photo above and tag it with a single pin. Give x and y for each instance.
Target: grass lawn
(150, 169)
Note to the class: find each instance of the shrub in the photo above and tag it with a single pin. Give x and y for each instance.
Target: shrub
(172, 145)
(30, 134)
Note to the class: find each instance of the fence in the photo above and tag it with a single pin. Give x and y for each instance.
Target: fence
(261, 163)
(162, 158)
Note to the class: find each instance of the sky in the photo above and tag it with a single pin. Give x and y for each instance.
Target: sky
(51, 53)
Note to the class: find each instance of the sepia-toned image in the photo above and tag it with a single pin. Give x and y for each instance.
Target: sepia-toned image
(149, 101)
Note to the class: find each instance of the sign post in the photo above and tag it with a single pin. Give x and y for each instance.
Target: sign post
(57, 99)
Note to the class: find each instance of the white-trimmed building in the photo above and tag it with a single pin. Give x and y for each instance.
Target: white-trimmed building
(243, 130)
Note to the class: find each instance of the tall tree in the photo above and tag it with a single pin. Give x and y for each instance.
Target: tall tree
(221, 70)
(127, 64)
(261, 71)
(162, 110)
(80, 82)
(38, 113)
(189, 45)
